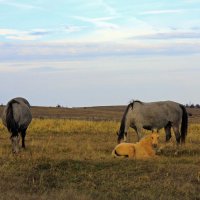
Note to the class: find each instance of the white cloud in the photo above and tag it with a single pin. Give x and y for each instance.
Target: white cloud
(191, 1)
(23, 37)
(9, 32)
(102, 5)
(175, 34)
(19, 5)
(158, 12)
(145, 78)
(14, 34)
(106, 31)
(72, 28)
(108, 8)
(18, 34)
(83, 51)
(37, 33)
(99, 22)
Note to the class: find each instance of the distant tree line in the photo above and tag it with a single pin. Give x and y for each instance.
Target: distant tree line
(187, 106)
(192, 105)
(61, 106)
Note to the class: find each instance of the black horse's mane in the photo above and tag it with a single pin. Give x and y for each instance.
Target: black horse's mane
(135, 101)
(130, 105)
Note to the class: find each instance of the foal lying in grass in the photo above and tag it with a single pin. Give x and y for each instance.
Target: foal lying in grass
(141, 150)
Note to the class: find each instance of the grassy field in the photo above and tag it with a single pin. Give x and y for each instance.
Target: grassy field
(71, 159)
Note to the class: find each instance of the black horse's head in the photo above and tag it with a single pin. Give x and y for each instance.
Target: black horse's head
(15, 143)
(121, 135)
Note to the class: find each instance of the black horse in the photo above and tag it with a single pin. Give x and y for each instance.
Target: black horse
(154, 116)
(17, 117)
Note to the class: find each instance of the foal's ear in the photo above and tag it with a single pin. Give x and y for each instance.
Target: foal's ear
(117, 133)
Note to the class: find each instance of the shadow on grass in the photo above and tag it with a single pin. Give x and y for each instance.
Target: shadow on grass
(182, 151)
(114, 179)
(99, 179)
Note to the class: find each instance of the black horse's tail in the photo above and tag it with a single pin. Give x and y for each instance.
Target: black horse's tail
(12, 126)
(184, 124)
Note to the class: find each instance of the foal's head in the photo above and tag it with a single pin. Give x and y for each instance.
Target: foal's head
(154, 139)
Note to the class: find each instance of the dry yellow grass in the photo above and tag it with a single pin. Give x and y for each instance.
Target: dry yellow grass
(71, 159)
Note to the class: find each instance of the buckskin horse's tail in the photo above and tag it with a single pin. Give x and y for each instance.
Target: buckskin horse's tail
(12, 126)
(184, 124)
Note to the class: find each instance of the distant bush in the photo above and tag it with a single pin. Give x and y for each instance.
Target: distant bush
(197, 106)
(192, 106)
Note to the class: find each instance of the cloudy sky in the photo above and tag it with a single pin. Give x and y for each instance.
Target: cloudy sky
(102, 52)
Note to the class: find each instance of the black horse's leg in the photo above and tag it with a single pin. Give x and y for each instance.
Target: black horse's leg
(139, 132)
(177, 133)
(125, 136)
(23, 134)
(168, 132)
(168, 137)
(127, 125)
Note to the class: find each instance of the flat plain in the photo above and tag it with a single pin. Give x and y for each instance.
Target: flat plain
(68, 156)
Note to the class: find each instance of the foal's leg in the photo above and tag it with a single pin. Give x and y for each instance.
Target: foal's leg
(132, 152)
(23, 134)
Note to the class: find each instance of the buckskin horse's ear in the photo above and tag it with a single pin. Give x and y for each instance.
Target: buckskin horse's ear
(117, 133)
